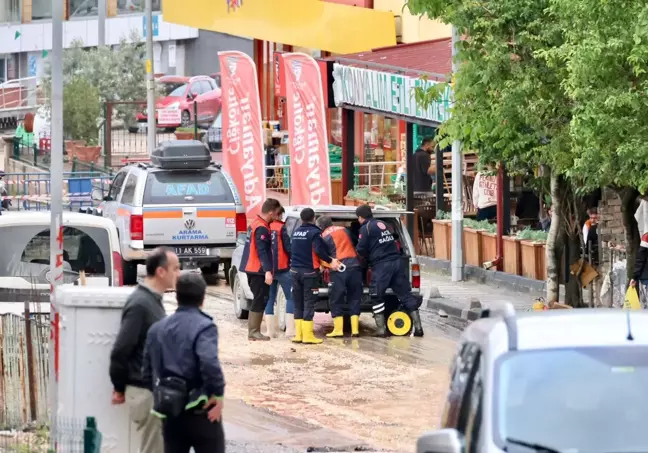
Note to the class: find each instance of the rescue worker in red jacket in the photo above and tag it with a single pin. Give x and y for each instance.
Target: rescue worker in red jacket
(343, 283)
(307, 249)
(257, 265)
(281, 274)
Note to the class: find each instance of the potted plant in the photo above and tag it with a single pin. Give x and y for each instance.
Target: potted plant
(489, 240)
(357, 197)
(442, 236)
(188, 133)
(81, 113)
(512, 255)
(533, 250)
(472, 236)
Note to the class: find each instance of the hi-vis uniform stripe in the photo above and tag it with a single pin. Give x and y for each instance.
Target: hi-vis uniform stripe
(379, 308)
(207, 212)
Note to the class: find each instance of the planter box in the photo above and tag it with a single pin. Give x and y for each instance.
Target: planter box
(533, 260)
(442, 236)
(349, 201)
(489, 246)
(472, 246)
(186, 135)
(85, 153)
(337, 197)
(512, 256)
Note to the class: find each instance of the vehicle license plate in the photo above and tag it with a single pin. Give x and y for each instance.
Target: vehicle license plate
(193, 251)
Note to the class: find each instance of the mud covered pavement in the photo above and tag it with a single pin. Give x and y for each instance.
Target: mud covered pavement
(365, 393)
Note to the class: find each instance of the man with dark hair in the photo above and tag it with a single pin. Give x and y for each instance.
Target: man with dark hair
(347, 284)
(143, 308)
(308, 248)
(181, 363)
(423, 169)
(281, 275)
(256, 262)
(377, 245)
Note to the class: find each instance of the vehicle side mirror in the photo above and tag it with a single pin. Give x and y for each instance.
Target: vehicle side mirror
(442, 441)
(97, 195)
(241, 238)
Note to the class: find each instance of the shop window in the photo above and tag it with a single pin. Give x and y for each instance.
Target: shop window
(41, 9)
(84, 8)
(136, 6)
(335, 126)
(10, 10)
(380, 146)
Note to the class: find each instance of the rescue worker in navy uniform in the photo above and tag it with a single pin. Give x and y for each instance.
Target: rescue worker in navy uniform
(257, 265)
(340, 245)
(377, 245)
(307, 249)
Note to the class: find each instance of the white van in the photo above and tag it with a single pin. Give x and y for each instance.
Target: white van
(90, 245)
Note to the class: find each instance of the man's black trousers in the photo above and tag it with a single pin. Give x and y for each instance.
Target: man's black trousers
(193, 429)
(260, 292)
(303, 283)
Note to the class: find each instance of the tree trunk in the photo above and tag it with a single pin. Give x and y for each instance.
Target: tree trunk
(629, 205)
(554, 246)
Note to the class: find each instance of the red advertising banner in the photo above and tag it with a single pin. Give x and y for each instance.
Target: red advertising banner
(243, 154)
(310, 172)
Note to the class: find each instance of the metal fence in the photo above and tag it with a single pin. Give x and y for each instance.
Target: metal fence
(125, 135)
(24, 371)
(31, 191)
(68, 435)
(37, 152)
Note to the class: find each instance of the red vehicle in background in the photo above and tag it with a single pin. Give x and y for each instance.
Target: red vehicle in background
(179, 93)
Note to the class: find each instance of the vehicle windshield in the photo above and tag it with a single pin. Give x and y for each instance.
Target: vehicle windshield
(174, 89)
(25, 253)
(591, 400)
(187, 187)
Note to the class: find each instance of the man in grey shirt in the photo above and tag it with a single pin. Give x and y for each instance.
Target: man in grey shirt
(143, 308)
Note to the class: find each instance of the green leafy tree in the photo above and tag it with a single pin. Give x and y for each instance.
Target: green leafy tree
(605, 54)
(81, 110)
(118, 74)
(510, 106)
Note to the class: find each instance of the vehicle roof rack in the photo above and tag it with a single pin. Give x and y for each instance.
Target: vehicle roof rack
(181, 155)
(506, 311)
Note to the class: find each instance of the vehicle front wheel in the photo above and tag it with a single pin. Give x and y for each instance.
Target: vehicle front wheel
(186, 119)
(240, 300)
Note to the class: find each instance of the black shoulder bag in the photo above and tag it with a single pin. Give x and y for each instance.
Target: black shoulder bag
(170, 394)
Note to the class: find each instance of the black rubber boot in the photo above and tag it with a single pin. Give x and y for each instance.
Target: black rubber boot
(416, 320)
(381, 330)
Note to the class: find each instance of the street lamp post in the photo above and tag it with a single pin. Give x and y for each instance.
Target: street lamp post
(56, 193)
(457, 262)
(102, 23)
(150, 82)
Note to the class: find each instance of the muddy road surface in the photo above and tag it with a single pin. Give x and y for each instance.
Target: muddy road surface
(343, 395)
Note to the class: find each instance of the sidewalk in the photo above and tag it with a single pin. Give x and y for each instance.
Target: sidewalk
(466, 299)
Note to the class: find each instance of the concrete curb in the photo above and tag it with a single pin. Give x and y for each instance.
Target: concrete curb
(454, 309)
(479, 275)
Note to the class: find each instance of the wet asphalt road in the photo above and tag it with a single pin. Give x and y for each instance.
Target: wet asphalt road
(366, 394)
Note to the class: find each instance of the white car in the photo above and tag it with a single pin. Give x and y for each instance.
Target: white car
(90, 245)
(341, 215)
(553, 381)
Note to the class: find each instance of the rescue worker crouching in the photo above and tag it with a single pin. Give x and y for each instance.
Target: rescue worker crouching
(347, 283)
(281, 274)
(377, 245)
(307, 249)
(256, 262)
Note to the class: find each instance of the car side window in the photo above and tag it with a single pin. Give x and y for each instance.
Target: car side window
(116, 186)
(128, 197)
(206, 87)
(196, 88)
(464, 370)
(291, 224)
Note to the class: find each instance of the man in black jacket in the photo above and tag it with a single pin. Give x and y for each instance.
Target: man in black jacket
(143, 308)
(185, 346)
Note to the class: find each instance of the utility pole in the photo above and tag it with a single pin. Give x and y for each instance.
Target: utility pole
(56, 191)
(150, 81)
(457, 262)
(102, 23)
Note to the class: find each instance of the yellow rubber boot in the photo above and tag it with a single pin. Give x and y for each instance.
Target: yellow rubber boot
(355, 326)
(298, 331)
(307, 333)
(338, 327)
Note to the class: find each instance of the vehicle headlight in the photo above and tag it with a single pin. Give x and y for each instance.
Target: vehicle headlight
(173, 106)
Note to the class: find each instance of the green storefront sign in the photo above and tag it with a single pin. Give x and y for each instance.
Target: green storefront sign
(387, 92)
